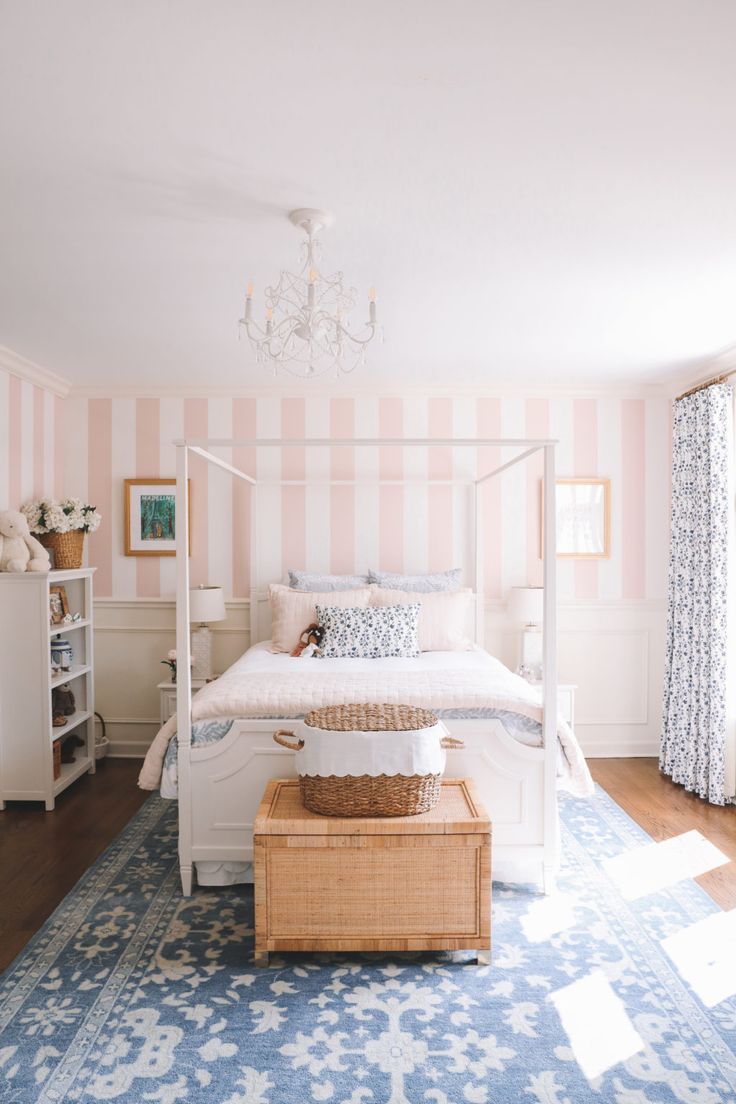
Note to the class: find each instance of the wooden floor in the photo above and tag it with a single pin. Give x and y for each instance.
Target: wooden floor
(42, 855)
(665, 810)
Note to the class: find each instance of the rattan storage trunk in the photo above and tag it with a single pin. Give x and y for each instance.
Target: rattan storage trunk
(374, 792)
(374, 883)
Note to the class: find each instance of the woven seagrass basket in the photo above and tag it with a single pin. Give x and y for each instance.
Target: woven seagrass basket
(368, 795)
(68, 548)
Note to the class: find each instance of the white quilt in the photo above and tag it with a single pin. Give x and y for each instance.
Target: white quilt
(261, 684)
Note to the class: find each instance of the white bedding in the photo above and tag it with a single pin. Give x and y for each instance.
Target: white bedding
(262, 684)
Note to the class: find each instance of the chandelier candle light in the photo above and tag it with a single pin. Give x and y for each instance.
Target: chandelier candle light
(306, 327)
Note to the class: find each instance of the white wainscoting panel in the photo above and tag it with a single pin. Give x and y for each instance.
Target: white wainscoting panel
(613, 651)
(131, 638)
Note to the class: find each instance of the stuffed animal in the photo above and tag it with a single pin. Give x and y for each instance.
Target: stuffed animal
(309, 642)
(63, 705)
(67, 748)
(19, 551)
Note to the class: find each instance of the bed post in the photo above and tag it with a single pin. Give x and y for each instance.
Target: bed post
(184, 670)
(253, 628)
(549, 651)
(479, 583)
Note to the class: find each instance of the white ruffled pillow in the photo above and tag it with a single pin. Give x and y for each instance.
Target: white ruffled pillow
(373, 633)
(423, 584)
(445, 619)
(293, 610)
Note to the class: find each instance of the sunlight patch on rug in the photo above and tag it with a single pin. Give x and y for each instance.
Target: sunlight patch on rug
(705, 956)
(658, 865)
(600, 1032)
(547, 916)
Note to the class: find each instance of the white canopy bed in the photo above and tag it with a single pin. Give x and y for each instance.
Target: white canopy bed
(220, 783)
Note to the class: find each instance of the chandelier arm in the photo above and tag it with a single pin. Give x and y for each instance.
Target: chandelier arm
(357, 340)
(255, 332)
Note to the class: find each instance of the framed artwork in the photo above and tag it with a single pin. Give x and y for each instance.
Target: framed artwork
(58, 605)
(583, 518)
(150, 517)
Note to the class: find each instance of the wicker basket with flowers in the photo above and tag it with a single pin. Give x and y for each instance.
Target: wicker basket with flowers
(60, 526)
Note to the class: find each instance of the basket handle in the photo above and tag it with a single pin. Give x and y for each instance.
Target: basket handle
(280, 738)
(450, 742)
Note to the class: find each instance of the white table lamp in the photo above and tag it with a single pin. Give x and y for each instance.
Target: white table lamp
(206, 604)
(526, 607)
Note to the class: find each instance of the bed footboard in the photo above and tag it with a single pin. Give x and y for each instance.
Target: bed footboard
(228, 779)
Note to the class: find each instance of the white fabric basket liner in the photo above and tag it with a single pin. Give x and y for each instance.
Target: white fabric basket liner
(341, 753)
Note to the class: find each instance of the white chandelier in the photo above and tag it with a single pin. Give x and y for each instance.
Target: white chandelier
(306, 325)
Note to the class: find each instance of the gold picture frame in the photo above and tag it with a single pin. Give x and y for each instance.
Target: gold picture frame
(583, 508)
(58, 605)
(150, 517)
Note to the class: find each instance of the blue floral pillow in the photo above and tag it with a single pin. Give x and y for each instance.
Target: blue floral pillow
(371, 632)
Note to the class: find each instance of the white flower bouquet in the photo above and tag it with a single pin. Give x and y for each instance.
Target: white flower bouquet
(48, 515)
(60, 526)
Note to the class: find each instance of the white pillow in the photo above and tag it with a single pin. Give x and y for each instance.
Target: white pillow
(373, 633)
(424, 584)
(293, 610)
(303, 580)
(445, 620)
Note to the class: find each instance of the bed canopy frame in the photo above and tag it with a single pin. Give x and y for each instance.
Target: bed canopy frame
(529, 447)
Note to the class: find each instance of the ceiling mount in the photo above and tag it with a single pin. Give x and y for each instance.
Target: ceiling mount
(312, 219)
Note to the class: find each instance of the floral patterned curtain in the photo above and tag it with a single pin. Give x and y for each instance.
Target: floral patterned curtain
(694, 726)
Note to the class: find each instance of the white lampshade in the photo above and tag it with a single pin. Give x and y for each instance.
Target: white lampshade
(526, 605)
(207, 603)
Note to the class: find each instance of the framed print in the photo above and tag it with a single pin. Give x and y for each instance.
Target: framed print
(583, 518)
(150, 517)
(58, 605)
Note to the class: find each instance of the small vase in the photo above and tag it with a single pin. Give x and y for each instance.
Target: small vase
(173, 676)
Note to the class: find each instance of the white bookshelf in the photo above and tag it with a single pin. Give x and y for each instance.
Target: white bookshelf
(26, 681)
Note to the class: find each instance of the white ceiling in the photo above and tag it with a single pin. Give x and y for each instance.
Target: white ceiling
(542, 193)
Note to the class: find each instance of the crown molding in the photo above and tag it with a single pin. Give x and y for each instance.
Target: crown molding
(374, 390)
(716, 365)
(17, 365)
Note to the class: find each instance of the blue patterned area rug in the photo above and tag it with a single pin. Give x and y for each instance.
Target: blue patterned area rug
(130, 993)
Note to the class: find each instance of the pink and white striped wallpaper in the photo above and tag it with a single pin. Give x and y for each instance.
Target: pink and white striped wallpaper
(413, 527)
(31, 441)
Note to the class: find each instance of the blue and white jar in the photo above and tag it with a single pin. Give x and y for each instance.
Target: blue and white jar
(62, 655)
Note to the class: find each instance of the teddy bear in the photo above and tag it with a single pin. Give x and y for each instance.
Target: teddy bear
(19, 551)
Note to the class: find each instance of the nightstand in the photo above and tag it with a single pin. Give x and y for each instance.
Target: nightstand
(565, 700)
(167, 696)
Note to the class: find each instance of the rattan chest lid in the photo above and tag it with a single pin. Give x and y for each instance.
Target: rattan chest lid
(282, 813)
(370, 718)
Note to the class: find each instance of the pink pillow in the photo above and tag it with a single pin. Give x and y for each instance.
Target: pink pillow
(293, 610)
(445, 619)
